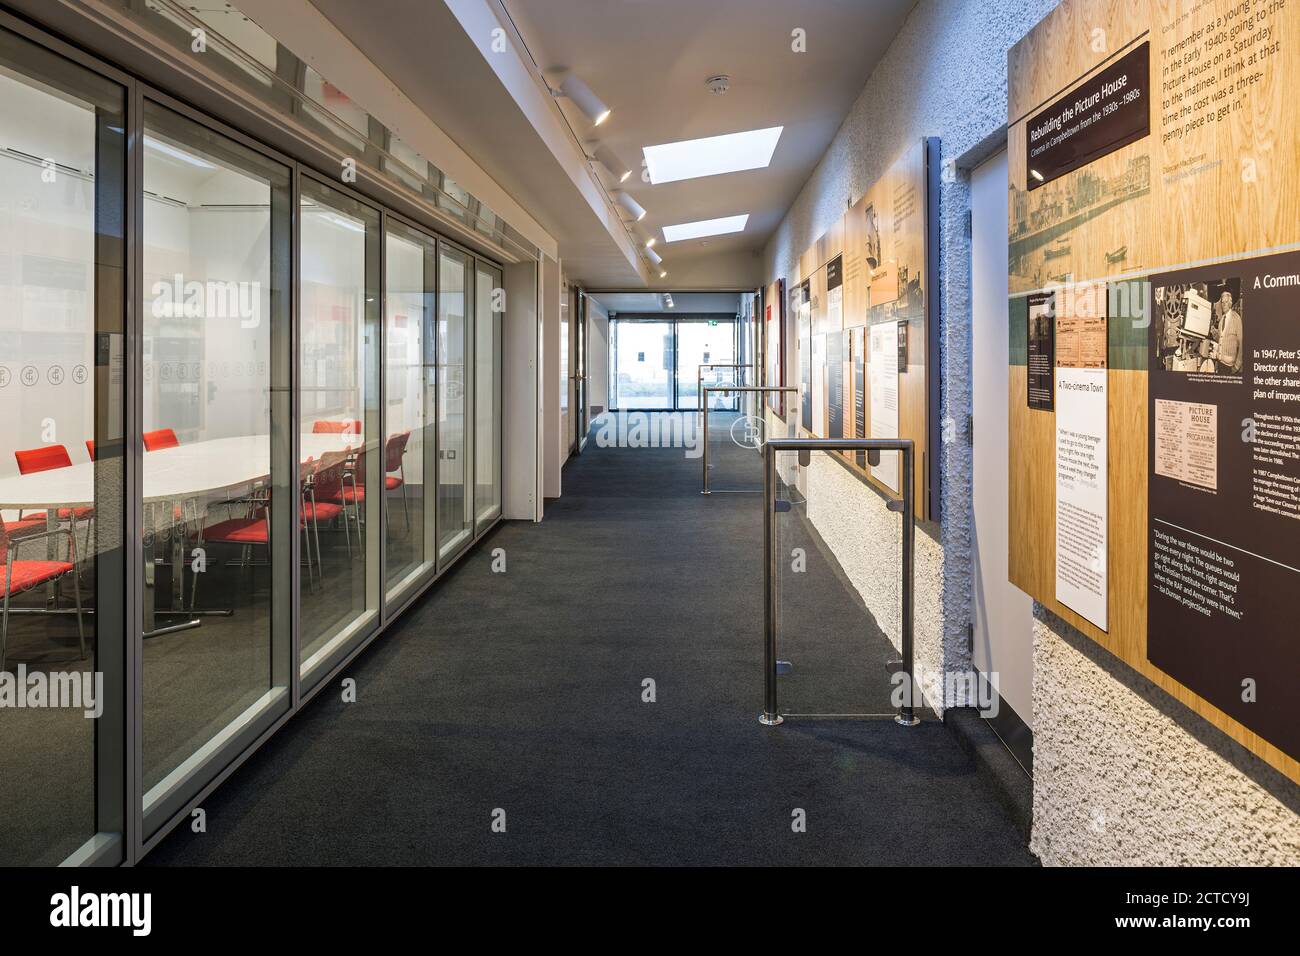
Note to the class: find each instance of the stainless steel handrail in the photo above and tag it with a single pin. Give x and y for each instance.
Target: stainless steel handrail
(699, 378)
(873, 447)
(704, 437)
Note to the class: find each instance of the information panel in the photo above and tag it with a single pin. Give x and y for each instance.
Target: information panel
(1224, 487)
(883, 377)
(1082, 513)
(1153, 500)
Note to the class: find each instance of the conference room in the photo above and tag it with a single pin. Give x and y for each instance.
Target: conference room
(250, 412)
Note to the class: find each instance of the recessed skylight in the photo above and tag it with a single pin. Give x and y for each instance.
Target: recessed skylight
(705, 227)
(712, 155)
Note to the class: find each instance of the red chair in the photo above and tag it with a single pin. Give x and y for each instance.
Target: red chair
(394, 454)
(324, 496)
(19, 576)
(47, 458)
(348, 492)
(321, 427)
(90, 448)
(247, 532)
(162, 438)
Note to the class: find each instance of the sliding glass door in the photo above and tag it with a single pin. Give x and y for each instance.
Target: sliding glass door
(706, 342)
(654, 364)
(340, 448)
(410, 411)
(642, 365)
(62, 475)
(454, 350)
(219, 485)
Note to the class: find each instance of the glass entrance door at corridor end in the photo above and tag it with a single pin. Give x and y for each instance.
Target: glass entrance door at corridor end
(654, 363)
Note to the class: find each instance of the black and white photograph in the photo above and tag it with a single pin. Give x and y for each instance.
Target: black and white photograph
(1201, 327)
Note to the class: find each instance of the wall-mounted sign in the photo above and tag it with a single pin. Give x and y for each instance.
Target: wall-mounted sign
(805, 355)
(835, 384)
(1110, 110)
(1082, 512)
(883, 376)
(1224, 486)
(859, 348)
(1040, 337)
(1171, 143)
(835, 294)
(902, 346)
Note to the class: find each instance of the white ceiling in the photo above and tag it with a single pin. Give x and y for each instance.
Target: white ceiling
(721, 303)
(649, 59)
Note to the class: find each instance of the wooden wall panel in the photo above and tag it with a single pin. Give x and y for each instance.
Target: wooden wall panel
(1226, 188)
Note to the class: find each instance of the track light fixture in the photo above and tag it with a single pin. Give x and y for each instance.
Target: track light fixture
(654, 257)
(629, 205)
(580, 94)
(605, 156)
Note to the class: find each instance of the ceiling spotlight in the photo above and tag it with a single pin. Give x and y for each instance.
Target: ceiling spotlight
(580, 94)
(654, 257)
(650, 243)
(663, 273)
(630, 205)
(605, 156)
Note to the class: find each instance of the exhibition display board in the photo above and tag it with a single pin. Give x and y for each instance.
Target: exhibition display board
(1154, 210)
(861, 326)
(773, 332)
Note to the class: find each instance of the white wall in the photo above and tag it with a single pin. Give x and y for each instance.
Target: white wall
(521, 395)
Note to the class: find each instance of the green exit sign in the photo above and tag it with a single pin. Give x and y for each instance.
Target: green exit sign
(713, 321)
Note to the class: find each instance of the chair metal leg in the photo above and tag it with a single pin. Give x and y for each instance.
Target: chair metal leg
(90, 526)
(306, 538)
(81, 627)
(406, 504)
(320, 562)
(4, 619)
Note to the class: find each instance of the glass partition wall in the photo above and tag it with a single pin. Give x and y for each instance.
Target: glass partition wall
(410, 396)
(210, 355)
(217, 484)
(62, 501)
(454, 350)
(338, 421)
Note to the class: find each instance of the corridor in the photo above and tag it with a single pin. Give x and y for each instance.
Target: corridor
(522, 691)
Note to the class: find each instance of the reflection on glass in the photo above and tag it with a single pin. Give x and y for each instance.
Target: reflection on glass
(61, 154)
(408, 369)
(215, 221)
(642, 360)
(455, 517)
(702, 343)
(339, 280)
(489, 301)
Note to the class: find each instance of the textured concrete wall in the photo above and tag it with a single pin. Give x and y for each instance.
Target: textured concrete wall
(1123, 773)
(945, 76)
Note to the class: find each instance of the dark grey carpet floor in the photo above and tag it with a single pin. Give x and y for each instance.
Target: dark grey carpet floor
(523, 692)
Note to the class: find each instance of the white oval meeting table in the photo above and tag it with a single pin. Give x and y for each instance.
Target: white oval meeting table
(172, 479)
